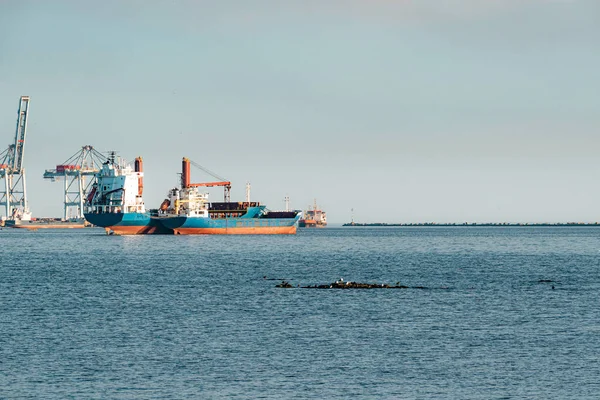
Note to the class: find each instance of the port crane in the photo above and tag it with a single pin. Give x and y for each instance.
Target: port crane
(74, 171)
(185, 179)
(14, 191)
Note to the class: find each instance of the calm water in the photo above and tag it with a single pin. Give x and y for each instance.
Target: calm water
(85, 315)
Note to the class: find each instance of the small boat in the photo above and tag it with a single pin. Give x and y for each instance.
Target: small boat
(315, 218)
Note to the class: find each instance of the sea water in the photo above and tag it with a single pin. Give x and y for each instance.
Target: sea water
(490, 313)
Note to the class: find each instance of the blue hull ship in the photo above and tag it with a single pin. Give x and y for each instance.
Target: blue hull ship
(255, 220)
(127, 223)
(115, 202)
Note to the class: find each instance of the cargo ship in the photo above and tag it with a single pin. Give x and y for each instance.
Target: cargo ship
(115, 201)
(46, 223)
(314, 218)
(187, 211)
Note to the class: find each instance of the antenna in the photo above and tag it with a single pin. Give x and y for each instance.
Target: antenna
(112, 156)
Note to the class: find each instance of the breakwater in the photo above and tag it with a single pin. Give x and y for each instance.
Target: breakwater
(476, 224)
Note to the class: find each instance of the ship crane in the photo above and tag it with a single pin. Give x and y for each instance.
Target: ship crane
(74, 171)
(14, 191)
(185, 179)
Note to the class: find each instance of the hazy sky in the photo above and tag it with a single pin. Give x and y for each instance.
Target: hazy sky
(405, 111)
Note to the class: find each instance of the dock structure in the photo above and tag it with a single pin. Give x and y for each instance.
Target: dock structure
(13, 193)
(75, 172)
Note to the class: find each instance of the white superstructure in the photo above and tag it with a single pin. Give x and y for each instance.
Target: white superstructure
(118, 188)
(188, 202)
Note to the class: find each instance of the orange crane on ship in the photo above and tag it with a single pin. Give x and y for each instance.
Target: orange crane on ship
(186, 178)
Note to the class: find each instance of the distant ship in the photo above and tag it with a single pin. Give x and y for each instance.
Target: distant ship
(188, 211)
(314, 218)
(115, 201)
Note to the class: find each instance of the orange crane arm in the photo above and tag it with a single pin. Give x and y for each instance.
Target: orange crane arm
(209, 184)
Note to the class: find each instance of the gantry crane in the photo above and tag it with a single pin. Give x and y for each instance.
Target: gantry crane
(185, 179)
(14, 191)
(86, 162)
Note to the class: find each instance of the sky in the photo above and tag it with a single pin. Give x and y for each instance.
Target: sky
(383, 111)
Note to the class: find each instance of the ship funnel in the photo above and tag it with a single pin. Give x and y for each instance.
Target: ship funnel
(139, 167)
(185, 173)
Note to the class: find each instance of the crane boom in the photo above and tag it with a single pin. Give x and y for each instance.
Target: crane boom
(210, 184)
(207, 171)
(19, 146)
(185, 178)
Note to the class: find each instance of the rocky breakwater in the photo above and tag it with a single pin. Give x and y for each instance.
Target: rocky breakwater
(341, 284)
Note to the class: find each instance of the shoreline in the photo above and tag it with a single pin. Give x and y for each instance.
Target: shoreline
(474, 224)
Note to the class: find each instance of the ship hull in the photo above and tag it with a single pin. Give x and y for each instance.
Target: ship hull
(230, 226)
(34, 225)
(311, 224)
(49, 226)
(127, 223)
(280, 230)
